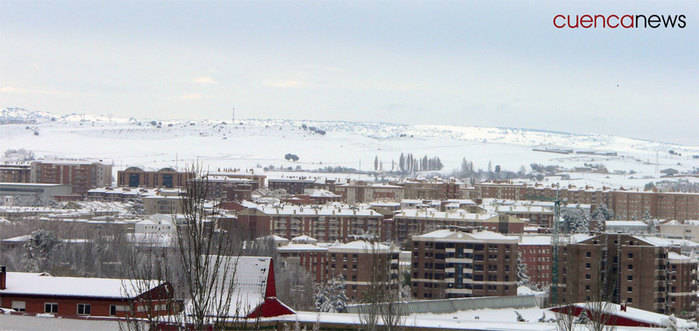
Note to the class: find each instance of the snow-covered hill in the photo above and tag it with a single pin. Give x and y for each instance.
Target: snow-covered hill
(251, 142)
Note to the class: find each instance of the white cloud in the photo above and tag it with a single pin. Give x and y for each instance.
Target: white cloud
(205, 80)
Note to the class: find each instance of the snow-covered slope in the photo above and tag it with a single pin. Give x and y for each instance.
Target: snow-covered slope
(251, 142)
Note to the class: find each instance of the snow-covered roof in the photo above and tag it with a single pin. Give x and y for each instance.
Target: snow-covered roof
(641, 315)
(320, 193)
(625, 224)
(535, 240)
(304, 239)
(667, 242)
(361, 246)
(443, 215)
(476, 236)
(678, 257)
(325, 210)
(248, 276)
(277, 239)
(385, 204)
(523, 209)
(42, 284)
(297, 247)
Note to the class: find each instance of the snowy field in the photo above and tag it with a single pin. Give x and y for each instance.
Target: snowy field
(260, 143)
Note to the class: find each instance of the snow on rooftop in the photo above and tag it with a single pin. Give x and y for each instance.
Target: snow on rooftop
(444, 215)
(325, 210)
(625, 223)
(42, 284)
(298, 247)
(304, 239)
(249, 275)
(447, 235)
(360, 246)
(667, 242)
(535, 240)
(642, 315)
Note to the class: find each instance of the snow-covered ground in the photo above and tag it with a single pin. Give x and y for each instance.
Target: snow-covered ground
(255, 142)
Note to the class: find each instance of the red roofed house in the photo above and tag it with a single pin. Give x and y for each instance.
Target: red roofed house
(38, 293)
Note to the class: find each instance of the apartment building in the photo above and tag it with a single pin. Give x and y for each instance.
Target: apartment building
(362, 262)
(688, 229)
(409, 222)
(359, 192)
(305, 251)
(452, 263)
(162, 204)
(625, 204)
(80, 175)
(326, 223)
(643, 272)
(432, 189)
(258, 181)
(293, 186)
(536, 254)
(165, 177)
(15, 173)
(313, 197)
(223, 188)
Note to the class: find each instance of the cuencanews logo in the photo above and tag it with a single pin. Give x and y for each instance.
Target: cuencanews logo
(613, 21)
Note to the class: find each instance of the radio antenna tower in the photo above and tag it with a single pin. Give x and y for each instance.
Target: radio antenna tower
(555, 242)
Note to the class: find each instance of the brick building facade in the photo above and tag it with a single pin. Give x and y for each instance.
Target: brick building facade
(407, 223)
(450, 264)
(642, 272)
(81, 175)
(165, 177)
(625, 204)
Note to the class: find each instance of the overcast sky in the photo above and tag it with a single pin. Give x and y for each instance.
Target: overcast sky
(465, 63)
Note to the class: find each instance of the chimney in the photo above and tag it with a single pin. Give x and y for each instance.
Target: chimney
(3, 277)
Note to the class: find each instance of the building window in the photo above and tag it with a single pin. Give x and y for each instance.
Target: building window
(19, 305)
(112, 310)
(51, 307)
(629, 289)
(83, 309)
(630, 266)
(587, 265)
(629, 277)
(588, 254)
(630, 255)
(587, 276)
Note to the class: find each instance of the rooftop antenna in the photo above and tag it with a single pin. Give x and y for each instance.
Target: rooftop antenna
(233, 118)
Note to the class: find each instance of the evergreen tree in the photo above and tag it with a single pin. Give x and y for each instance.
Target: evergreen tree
(38, 250)
(330, 297)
